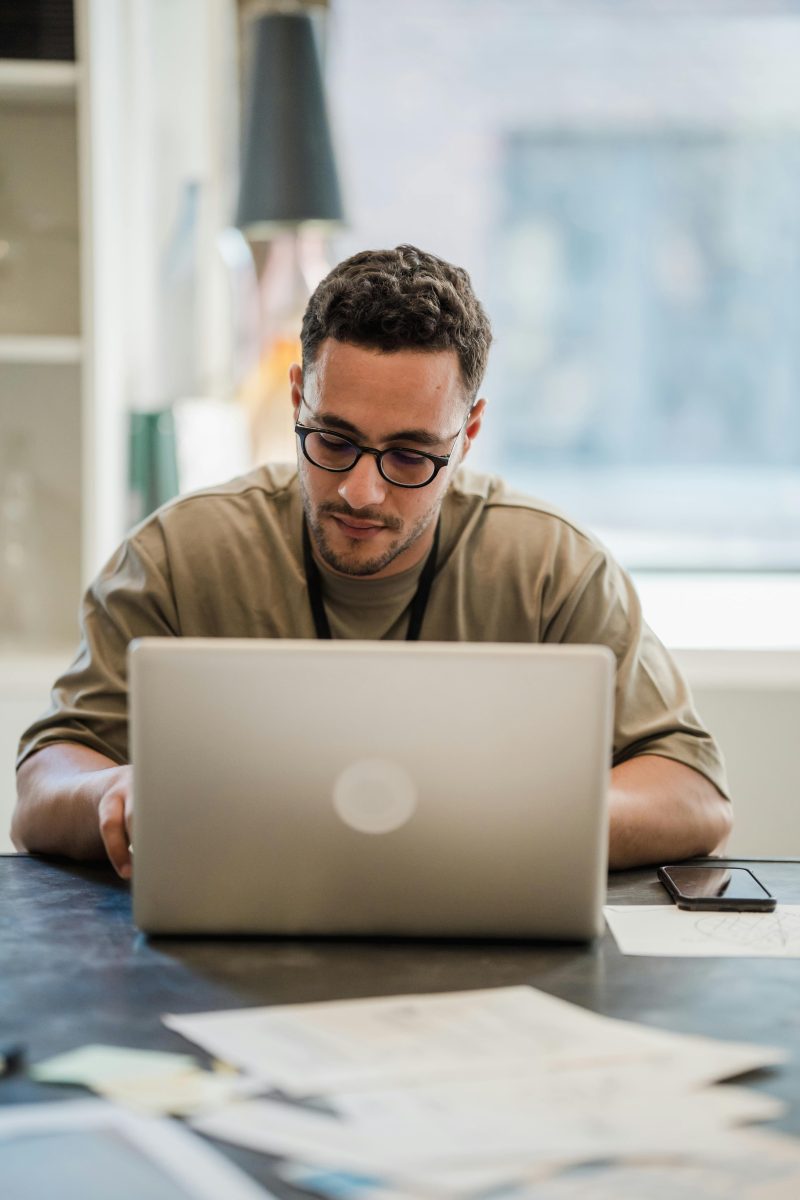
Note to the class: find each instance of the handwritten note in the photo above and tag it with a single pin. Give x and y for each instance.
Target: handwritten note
(668, 931)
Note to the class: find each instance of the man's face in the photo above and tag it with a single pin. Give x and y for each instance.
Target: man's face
(359, 523)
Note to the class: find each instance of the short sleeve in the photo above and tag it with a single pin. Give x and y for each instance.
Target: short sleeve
(130, 598)
(654, 712)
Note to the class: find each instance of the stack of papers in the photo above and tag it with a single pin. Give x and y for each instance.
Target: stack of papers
(464, 1093)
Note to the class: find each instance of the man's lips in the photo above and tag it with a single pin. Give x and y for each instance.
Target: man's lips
(357, 529)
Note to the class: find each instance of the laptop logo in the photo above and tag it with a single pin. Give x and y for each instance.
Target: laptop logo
(374, 795)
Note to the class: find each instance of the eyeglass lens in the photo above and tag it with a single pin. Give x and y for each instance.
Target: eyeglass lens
(337, 454)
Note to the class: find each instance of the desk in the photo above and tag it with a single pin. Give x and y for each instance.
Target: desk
(73, 970)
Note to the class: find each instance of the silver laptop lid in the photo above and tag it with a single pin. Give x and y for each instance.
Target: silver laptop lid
(301, 787)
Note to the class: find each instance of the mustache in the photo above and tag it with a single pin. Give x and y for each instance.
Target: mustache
(360, 514)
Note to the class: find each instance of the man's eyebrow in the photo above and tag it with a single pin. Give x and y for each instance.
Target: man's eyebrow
(422, 437)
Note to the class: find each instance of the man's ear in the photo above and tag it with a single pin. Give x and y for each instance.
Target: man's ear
(296, 380)
(473, 426)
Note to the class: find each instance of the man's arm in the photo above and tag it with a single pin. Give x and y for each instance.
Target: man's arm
(662, 811)
(73, 801)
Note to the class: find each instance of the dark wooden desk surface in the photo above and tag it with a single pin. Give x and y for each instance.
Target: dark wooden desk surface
(73, 970)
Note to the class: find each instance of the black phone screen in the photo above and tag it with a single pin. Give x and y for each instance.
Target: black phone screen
(711, 883)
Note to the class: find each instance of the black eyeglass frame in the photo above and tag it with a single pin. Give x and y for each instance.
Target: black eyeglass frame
(440, 461)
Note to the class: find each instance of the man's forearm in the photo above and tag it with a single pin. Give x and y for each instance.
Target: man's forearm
(661, 811)
(58, 793)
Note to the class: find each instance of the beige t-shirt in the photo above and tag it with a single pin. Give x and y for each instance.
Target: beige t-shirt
(228, 562)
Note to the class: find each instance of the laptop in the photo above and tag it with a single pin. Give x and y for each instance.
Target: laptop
(370, 788)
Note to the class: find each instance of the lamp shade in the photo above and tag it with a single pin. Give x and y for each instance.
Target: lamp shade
(288, 170)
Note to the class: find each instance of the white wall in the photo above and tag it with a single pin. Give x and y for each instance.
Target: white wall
(750, 699)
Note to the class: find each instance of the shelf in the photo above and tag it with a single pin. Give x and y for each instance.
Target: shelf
(40, 350)
(32, 82)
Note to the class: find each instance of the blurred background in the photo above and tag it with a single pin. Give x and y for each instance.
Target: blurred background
(621, 178)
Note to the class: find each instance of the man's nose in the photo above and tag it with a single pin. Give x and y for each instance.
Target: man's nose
(363, 485)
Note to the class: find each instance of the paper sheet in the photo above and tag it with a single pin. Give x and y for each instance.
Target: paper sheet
(751, 1166)
(78, 1143)
(666, 930)
(500, 1128)
(313, 1049)
(97, 1064)
(149, 1081)
(180, 1095)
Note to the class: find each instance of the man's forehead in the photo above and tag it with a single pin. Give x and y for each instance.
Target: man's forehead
(428, 370)
(386, 393)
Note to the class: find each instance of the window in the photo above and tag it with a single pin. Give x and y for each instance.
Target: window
(623, 183)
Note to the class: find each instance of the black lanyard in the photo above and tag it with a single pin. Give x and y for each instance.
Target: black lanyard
(418, 604)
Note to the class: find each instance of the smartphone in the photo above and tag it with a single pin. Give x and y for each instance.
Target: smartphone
(712, 887)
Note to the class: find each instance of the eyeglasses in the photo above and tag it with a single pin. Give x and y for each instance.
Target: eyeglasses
(397, 465)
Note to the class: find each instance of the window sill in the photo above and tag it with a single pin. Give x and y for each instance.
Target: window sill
(732, 612)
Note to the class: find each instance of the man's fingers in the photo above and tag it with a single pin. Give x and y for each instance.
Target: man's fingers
(113, 831)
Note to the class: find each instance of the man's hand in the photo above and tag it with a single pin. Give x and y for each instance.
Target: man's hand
(76, 802)
(115, 818)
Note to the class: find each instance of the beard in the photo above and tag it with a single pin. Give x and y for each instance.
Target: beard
(352, 562)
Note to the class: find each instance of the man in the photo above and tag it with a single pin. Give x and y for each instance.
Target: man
(376, 533)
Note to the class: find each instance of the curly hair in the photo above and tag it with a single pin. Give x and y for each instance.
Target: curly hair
(402, 299)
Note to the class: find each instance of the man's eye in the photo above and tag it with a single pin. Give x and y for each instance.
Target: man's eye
(407, 458)
(331, 442)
